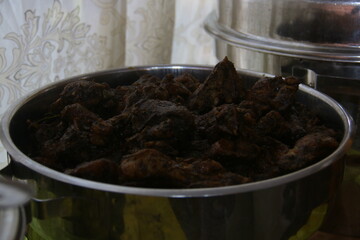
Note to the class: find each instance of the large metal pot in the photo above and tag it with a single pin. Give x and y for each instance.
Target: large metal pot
(315, 40)
(67, 207)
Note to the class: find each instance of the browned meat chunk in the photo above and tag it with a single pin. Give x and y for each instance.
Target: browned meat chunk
(150, 164)
(275, 125)
(79, 116)
(98, 97)
(150, 87)
(273, 93)
(223, 85)
(204, 172)
(225, 121)
(189, 81)
(144, 164)
(235, 152)
(103, 170)
(308, 149)
(80, 136)
(160, 121)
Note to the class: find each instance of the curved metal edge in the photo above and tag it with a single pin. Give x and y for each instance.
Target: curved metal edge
(15, 153)
(23, 224)
(279, 47)
(17, 228)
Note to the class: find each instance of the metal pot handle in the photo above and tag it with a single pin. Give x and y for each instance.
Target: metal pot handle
(307, 76)
(35, 207)
(13, 194)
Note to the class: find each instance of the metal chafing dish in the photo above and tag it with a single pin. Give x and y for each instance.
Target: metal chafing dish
(66, 207)
(315, 40)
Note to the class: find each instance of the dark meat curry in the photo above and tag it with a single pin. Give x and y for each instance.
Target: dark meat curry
(177, 132)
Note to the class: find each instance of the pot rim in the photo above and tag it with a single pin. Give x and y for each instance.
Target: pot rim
(295, 49)
(18, 156)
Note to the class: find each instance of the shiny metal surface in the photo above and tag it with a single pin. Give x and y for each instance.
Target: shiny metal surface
(315, 40)
(312, 29)
(13, 194)
(66, 207)
(12, 223)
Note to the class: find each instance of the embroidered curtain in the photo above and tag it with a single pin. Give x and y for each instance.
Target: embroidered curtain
(45, 41)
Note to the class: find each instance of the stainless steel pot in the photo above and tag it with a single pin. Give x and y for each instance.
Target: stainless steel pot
(315, 40)
(67, 207)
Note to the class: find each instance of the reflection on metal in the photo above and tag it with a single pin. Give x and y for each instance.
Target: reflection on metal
(13, 194)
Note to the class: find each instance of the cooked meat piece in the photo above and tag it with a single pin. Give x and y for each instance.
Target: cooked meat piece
(300, 117)
(286, 94)
(203, 172)
(85, 120)
(266, 166)
(161, 120)
(197, 148)
(189, 81)
(222, 120)
(225, 120)
(82, 136)
(146, 87)
(275, 125)
(79, 116)
(223, 85)
(95, 96)
(101, 133)
(162, 146)
(102, 170)
(177, 92)
(308, 149)
(152, 112)
(253, 109)
(287, 126)
(239, 151)
(69, 150)
(151, 87)
(273, 93)
(146, 80)
(44, 131)
(144, 164)
(150, 163)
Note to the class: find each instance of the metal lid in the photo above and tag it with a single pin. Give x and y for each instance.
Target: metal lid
(311, 29)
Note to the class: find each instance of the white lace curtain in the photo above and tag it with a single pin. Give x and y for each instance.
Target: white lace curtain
(44, 41)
